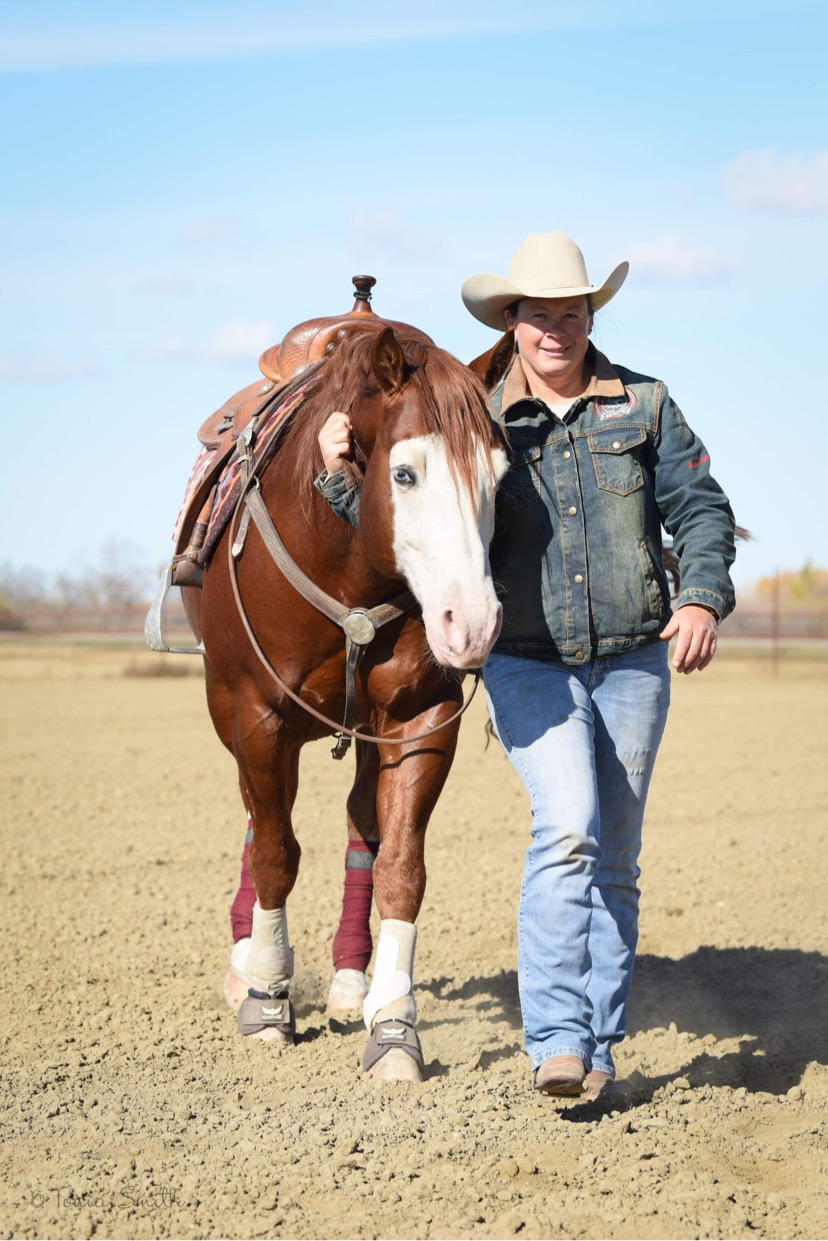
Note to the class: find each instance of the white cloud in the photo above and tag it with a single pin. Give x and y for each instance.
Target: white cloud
(95, 48)
(772, 178)
(50, 368)
(189, 32)
(170, 284)
(673, 260)
(375, 231)
(235, 341)
(239, 341)
(173, 349)
(213, 229)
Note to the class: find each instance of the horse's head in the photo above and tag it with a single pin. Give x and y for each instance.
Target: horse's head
(434, 461)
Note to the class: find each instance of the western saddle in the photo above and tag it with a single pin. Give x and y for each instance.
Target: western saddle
(303, 347)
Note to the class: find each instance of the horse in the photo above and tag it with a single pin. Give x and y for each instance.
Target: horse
(414, 586)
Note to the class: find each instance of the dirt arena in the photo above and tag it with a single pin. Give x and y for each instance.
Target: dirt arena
(130, 1108)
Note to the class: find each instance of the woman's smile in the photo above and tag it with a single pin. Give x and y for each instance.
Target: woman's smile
(552, 335)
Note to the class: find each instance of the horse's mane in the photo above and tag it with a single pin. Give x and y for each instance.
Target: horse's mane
(453, 405)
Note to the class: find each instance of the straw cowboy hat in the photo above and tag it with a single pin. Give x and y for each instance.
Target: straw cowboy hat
(546, 265)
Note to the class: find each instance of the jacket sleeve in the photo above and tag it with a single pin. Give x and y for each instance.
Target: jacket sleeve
(341, 494)
(695, 512)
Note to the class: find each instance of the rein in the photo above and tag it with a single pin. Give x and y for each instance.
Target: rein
(359, 625)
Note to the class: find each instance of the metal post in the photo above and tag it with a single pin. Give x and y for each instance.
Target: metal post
(775, 624)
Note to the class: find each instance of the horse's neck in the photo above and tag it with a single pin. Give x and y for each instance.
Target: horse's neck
(327, 548)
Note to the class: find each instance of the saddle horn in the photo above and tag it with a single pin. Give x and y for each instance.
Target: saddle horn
(314, 339)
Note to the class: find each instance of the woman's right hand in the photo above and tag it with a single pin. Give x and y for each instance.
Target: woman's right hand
(335, 441)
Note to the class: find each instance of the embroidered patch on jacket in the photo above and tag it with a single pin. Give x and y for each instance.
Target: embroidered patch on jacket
(618, 407)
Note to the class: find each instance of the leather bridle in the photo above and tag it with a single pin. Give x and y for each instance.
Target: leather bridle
(360, 625)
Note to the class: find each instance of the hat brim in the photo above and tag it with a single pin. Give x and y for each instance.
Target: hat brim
(486, 296)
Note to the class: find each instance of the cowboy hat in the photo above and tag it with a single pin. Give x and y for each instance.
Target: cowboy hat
(546, 265)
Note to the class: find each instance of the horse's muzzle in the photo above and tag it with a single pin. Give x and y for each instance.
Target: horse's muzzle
(461, 642)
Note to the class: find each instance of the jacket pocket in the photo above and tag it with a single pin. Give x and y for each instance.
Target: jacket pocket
(615, 456)
(521, 485)
(655, 586)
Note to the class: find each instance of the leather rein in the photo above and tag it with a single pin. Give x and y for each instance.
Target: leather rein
(360, 625)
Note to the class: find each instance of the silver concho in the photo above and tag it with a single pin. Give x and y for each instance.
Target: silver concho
(359, 627)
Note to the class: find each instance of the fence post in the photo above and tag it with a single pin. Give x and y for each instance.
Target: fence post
(775, 624)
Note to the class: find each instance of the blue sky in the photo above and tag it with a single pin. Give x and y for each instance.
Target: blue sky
(185, 181)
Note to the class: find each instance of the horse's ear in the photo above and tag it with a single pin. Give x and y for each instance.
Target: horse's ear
(388, 361)
(492, 366)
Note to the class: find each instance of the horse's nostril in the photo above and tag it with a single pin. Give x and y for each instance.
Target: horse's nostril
(454, 629)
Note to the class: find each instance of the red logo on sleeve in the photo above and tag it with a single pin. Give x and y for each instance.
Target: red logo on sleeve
(691, 465)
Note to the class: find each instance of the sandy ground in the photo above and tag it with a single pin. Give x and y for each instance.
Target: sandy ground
(130, 1108)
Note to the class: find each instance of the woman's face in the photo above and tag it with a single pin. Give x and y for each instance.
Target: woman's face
(552, 335)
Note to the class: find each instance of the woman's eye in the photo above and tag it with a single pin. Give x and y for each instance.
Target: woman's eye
(404, 476)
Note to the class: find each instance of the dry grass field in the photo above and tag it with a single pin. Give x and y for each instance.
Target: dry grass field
(130, 1108)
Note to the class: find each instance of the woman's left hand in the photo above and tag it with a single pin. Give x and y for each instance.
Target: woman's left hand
(696, 631)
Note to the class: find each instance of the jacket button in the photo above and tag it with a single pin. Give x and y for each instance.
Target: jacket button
(579, 577)
(572, 510)
(566, 454)
(579, 654)
(616, 443)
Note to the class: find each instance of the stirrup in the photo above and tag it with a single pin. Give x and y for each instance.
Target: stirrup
(153, 636)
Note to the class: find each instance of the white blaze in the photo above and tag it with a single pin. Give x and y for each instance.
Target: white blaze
(441, 546)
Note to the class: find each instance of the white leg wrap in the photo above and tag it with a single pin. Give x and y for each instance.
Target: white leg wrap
(269, 962)
(391, 993)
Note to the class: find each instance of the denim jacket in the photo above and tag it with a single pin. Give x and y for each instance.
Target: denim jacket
(576, 553)
(341, 494)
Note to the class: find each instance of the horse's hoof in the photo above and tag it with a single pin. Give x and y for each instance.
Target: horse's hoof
(277, 1037)
(236, 985)
(270, 1019)
(348, 989)
(235, 990)
(393, 1053)
(396, 1066)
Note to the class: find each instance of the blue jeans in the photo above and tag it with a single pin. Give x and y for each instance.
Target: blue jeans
(583, 741)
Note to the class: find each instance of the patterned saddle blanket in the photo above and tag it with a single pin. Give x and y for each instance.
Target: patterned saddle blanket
(213, 487)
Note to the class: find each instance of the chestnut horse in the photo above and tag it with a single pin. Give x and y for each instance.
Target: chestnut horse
(432, 459)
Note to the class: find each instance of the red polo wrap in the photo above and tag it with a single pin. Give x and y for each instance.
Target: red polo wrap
(352, 945)
(241, 911)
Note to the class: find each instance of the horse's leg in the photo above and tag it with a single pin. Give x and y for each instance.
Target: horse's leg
(221, 701)
(352, 943)
(267, 754)
(241, 910)
(236, 984)
(407, 790)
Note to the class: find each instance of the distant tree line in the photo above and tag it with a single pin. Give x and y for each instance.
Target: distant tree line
(805, 589)
(119, 578)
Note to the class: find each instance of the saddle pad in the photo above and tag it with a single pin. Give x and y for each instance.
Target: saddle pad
(218, 436)
(198, 473)
(264, 445)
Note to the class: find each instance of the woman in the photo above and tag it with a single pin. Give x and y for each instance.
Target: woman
(578, 683)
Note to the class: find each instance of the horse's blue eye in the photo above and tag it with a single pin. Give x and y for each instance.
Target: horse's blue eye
(404, 476)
